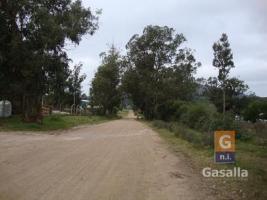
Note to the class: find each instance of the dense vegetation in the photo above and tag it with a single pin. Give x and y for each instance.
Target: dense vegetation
(251, 156)
(158, 70)
(157, 74)
(33, 61)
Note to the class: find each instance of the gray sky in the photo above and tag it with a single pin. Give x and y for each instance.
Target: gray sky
(201, 21)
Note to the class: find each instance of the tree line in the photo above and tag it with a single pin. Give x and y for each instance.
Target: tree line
(157, 74)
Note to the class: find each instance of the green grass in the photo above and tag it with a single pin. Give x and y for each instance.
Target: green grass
(248, 155)
(54, 122)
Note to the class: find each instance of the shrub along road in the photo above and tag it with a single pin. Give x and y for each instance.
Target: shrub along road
(121, 159)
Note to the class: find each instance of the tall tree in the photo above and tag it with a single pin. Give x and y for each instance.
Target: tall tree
(35, 33)
(158, 69)
(223, 60)
(57, 83)
(75, 81)
(105, 92)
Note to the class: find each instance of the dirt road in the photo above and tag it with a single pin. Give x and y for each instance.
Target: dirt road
(117, 160)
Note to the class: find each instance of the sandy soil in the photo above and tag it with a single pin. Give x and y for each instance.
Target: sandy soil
(117, 160)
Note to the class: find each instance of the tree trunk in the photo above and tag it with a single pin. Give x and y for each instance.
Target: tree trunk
(32, 108)
(223, 104)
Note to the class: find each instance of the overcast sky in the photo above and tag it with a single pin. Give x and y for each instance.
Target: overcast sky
(201, 21)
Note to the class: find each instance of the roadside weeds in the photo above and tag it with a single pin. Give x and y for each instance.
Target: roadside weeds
(248, 157)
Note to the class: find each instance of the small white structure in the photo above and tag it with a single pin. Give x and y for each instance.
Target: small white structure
(5, 108)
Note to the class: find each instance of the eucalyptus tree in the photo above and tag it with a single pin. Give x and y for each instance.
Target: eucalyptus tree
(74, 81)
(35, 35)
(223, 60)
(158, 69)
(105, 93)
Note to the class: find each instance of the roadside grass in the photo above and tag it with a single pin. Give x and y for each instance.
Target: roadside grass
(248, 155)
(53, 122)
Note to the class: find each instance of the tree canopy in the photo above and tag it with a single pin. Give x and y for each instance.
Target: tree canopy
(223, 60)
(105, 94)
(158, 69)
(234, 94)
(33, 36)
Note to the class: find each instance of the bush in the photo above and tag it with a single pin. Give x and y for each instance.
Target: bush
(196, 122)
(179, 130)
(197, 115)
(192, 136)
(171, 110)
(256, 110)
(244, 135)
(218, 123)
